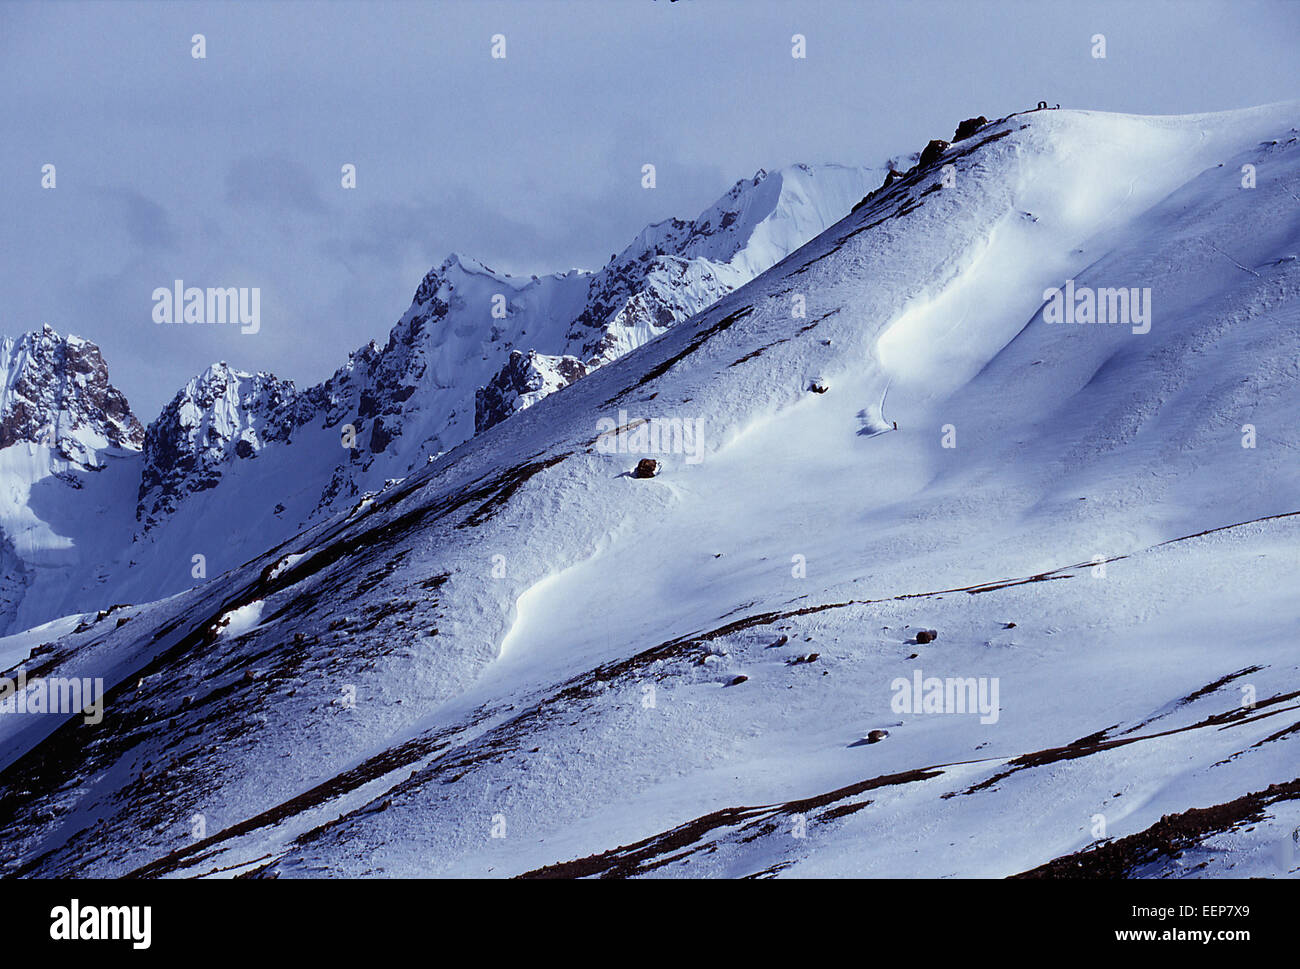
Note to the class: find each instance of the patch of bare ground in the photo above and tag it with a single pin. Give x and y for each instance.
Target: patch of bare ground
(1167, 838)
(666, 848)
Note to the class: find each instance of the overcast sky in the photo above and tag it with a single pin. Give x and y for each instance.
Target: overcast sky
(225, 171)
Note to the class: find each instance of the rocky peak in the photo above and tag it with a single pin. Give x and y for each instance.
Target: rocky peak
(55, 392)
(222, 415)
(447, 370)
(676, 268)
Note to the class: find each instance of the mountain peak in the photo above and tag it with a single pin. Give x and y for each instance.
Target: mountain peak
(440, 281)
(55, 392)
(220, 416)
(760, 220)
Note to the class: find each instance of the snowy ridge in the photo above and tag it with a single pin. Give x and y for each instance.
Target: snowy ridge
(676, 268)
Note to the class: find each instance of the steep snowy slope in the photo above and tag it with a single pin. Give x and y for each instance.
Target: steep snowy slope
(522, 660)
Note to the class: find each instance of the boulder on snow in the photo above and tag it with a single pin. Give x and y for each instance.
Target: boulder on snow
(969, 127)
(926, 636)
(646, 468)
(932, 152)
(876, 736)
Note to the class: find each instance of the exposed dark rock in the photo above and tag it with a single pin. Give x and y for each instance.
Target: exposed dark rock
(525, 379)
(55, 391)
(380, 436)
(969, 127)
(932, 152)
(646, 468)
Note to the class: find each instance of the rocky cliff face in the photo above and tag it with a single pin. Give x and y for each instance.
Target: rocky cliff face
(55, 392)
(523, 381)
(222, 415)
(63, 426)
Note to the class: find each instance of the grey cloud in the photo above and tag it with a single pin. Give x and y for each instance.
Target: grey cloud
(273, 182)
(146, 223)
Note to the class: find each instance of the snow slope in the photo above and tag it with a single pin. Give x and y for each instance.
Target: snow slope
(520, 660)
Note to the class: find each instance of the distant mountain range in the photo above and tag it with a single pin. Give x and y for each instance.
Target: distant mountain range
(474, 347)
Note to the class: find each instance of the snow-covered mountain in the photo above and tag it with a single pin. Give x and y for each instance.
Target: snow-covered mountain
(418, 395)
(55, 394)
(522, 660)
(67, 442)
(219, 417)
(253, 449)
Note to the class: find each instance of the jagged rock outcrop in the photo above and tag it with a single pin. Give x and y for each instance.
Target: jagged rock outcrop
(55, 392)
(932, 151)
(523, 381)
(969, 127)
(63, 426)
(222, 415)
